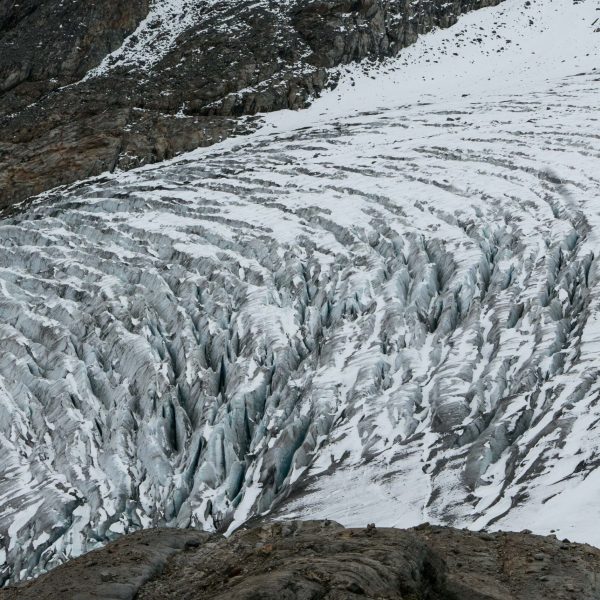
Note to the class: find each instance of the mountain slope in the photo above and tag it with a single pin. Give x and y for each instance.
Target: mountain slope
(384, 308)
(87, 90)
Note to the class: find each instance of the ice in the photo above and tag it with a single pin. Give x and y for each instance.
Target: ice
(384, 308)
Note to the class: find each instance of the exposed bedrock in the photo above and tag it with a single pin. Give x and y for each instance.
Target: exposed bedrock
(83, 91)
(320, 560)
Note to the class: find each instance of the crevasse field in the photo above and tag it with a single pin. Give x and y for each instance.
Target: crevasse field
(385, 308)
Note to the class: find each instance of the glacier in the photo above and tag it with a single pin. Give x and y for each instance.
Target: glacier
(384, 308)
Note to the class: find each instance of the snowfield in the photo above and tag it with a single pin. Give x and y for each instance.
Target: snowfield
(385, 308)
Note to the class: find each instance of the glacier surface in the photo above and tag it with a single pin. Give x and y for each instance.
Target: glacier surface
(384, 308)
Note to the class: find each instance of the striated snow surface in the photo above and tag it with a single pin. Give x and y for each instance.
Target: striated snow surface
(386, 306)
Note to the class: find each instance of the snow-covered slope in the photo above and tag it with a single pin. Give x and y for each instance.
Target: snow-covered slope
(153, 37)
(387, 304)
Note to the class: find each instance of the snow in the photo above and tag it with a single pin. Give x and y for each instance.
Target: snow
(21, 519)
(390, 299)
(153, 38)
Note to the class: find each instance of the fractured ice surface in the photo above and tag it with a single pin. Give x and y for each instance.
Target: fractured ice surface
(387, 303)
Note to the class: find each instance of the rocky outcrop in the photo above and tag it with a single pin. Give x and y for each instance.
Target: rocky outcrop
(323, 560)
(117, 571)
(178, 77)
(46, 45)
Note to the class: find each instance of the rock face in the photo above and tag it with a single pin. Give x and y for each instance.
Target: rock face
(116, 572)
(46, 45)
(84, 90)
(322, 560)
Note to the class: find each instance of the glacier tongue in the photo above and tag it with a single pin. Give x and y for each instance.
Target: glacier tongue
(386, 304)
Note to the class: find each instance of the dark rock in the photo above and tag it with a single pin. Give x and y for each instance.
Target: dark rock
(308, 560)
(116, 571)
